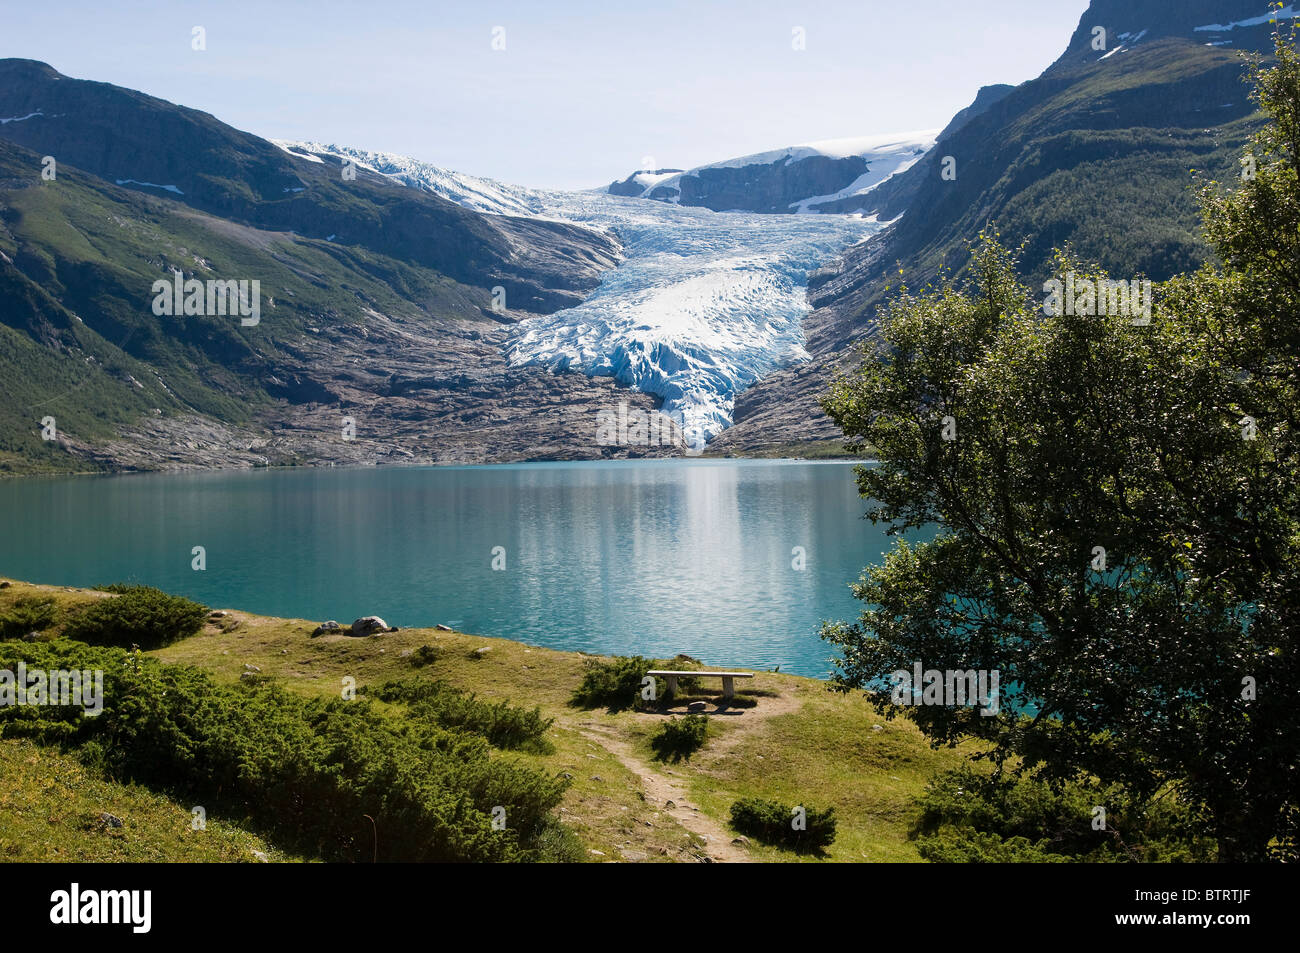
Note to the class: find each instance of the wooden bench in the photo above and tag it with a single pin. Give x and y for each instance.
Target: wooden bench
(728, 679)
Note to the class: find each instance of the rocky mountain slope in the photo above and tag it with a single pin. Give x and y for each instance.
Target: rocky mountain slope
(1098, 151)
(377, 300)
(414, 314)
(831, 176)
(703, 304)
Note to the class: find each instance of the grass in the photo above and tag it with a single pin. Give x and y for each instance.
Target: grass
(787, 738)
(51, 807)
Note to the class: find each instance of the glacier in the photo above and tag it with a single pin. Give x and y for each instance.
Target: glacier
(703, 305)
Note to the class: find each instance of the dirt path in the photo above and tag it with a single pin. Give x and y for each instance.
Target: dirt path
(668, 795)
(666, 790)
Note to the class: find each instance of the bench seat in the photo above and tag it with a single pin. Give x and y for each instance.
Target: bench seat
(728, 679)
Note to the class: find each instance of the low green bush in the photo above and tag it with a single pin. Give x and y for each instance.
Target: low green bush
(137, 615)
(967, 814)
(424, 655)
(27, 614)
(966, 845)
(680, 739)
(616, 683)
(303, 771)
(502, 724)
(775, 823)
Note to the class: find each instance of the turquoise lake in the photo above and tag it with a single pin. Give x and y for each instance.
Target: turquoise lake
(635, 558)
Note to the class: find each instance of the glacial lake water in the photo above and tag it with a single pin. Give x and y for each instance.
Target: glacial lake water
(648, 558)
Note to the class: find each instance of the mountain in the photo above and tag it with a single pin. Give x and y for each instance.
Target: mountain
(830, 176)
(376, 300)
(702, 305)
(133, 140)
(1097, 152)
(382, 336)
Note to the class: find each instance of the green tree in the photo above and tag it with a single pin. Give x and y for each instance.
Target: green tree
(1115, 509)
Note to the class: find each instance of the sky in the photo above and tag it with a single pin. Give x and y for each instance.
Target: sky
(554, 93)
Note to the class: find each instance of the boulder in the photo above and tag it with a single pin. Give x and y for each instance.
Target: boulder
(369, 625)
(327, 628)
(442, 628)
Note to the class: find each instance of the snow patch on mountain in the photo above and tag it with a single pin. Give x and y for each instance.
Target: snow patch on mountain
(704, 304)
(150, 185)
(482, 195)
(886, 155)
(1286, 13)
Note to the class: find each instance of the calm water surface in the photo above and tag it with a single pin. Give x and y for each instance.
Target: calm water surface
(649, 558)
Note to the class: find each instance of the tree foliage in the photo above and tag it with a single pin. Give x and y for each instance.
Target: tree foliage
(1117, 519)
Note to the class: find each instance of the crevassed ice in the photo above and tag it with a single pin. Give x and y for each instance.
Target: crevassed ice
(704, 304)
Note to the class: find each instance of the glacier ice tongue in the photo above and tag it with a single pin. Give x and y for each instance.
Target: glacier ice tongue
(705, 303)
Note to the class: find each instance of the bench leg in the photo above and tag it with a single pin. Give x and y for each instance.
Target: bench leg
(728, 686)
(672, 684)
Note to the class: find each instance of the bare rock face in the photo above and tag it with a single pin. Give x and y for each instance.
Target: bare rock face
(773, 187)
(370, 625)
(415, 389)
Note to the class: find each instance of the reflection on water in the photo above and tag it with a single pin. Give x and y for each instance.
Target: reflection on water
(650, 558)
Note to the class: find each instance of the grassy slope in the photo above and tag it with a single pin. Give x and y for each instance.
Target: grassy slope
(79, 341)
(1100, 155)
(799, 744)
(50, 807)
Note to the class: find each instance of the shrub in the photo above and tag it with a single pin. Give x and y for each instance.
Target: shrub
(303, 770)
(27, 614)
(616, 683)
(138, 615)
(502, 724)
(966, 845)
(773, 823)
(424, 655)
(967, 814)
(680, 739)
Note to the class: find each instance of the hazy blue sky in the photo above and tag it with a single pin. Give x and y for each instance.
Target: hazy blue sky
(582, 91)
